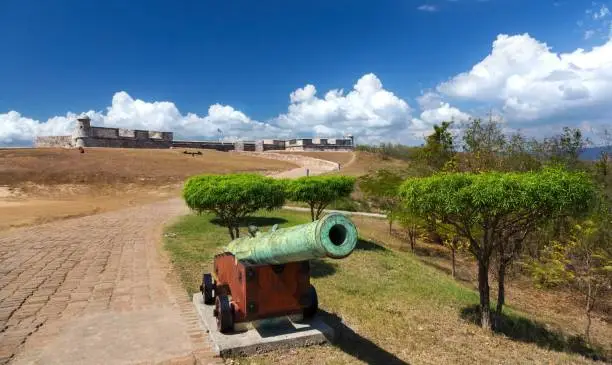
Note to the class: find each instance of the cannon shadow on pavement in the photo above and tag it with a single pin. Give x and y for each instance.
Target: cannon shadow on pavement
(280, 328)
(356, 345)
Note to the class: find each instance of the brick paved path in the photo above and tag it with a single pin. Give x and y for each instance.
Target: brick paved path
(96, 290)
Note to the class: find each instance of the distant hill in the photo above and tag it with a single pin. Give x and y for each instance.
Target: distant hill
(593, 153)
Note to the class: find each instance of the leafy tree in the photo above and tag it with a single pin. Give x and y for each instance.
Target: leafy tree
(519, 154)
(319, 191)
(570, 145)
(454, 244)
(602, 165)
(413, 223)
(439, 148)
(380, 188)
(591, 262)
(387, 151)
(562, 149)
(485, 144)
(489, 210)
(584, 260)
(232, 197)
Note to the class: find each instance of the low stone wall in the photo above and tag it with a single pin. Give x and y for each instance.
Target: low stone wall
(53, 141)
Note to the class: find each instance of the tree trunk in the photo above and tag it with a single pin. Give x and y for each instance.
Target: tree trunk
(483, 290)
(589, 306)
(390, 226)
(453, 272)
(412, 234)
(231, 231)
(312, 214)
(237, 235)
(501, 293)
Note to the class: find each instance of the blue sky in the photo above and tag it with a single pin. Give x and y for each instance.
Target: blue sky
(198, 66)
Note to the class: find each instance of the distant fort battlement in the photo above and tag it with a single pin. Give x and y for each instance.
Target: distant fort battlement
(84, 135)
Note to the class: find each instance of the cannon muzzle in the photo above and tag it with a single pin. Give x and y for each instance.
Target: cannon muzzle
(333, 236)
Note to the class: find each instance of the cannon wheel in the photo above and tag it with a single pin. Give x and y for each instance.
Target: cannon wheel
(207, 288)
(311, 309)
(225, 317)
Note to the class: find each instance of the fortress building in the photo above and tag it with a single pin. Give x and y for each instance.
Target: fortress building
(84, 135)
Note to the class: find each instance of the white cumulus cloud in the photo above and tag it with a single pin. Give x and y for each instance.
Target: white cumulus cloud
(531, 82)
(433, 111)
(368, 111)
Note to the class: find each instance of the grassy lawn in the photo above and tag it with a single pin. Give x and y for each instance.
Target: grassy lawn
(387, 306)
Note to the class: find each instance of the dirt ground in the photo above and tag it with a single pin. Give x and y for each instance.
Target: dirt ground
(342, 158)
(364, 162)
(46, 166)
(42, 185)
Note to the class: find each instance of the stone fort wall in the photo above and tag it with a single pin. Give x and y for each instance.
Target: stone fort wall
(85, 135)
(53, 141)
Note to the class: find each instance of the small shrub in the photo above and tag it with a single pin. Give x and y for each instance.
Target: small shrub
(319, 191)
(233, 197)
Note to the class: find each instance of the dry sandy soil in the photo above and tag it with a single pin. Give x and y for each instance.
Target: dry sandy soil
(365, 162)
(356, 164)
(41, 185)
(342, 158)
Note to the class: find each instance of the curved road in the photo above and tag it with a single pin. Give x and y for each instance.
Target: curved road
(97, 290)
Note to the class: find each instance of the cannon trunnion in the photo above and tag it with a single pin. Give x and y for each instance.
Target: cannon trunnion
(268, 274)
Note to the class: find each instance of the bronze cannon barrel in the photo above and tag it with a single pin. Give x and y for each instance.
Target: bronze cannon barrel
(334, 236)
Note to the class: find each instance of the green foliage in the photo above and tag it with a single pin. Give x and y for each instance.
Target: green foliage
(346, 204)
(475, 199)
(389, 150)
(381, 189)
(551, 268)
(562, 149)
(413, 225)
(519, 154)
(487, 137)
(319, 191)
(602, 165)
(233, 197)
(583, 260)
(439, 148)
(495, 211)
(485, 143)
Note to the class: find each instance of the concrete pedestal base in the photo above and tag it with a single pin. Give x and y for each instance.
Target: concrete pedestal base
(264, 335)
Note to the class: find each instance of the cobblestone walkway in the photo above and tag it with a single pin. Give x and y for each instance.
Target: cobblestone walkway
(96, 290)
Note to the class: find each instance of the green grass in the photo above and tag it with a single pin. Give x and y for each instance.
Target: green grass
(387, 305)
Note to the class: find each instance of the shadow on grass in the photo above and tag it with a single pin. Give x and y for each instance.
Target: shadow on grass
(366, 245)
(256, 221)
(356, 345)
(322, 268)
(526, 330)
(459, 274)
(431, 252)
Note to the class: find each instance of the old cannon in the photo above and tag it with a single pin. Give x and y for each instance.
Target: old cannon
(267, 274)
